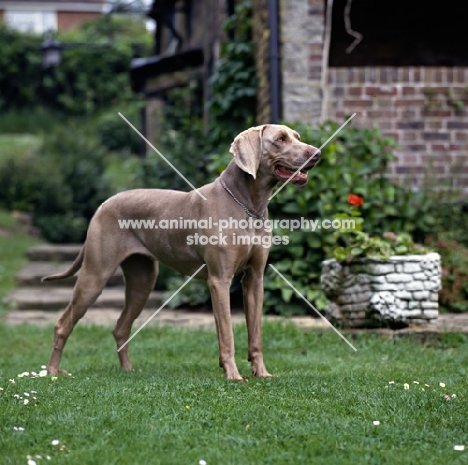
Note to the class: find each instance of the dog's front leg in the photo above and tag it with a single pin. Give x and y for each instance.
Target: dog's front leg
(219, 289)
(252, 287)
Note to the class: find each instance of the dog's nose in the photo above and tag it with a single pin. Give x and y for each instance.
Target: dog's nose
(313, 152)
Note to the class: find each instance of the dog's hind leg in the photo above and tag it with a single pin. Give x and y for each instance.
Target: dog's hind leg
(140, 276)
(87, 289)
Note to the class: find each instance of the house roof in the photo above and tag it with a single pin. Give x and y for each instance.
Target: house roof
(60, 5)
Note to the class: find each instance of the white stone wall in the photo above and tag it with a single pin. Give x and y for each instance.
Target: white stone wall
(398, 291)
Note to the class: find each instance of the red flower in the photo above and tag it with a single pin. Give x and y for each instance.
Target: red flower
(355, 200)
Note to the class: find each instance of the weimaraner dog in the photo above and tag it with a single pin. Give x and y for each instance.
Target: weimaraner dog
(263, 156)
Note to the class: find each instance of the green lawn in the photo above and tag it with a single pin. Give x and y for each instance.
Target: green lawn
(176, 407)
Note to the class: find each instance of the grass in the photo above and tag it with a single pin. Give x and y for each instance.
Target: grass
(14, 145)
(13, 247)
(176, 407)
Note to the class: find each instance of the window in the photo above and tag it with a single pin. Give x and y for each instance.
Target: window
(401, 33)
(33, 21)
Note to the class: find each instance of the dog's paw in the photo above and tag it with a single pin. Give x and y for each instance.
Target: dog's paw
(262, 372)
(239, 380)
(56, 371)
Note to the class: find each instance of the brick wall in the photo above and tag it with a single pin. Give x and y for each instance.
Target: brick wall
(301, 37)
(424, 109)
(69, 19)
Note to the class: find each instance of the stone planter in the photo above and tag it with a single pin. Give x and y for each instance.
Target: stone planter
(395, 292)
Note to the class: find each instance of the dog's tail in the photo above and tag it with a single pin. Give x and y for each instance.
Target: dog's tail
(76, 265)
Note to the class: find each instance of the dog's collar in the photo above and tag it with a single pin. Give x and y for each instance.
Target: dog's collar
(253, 215)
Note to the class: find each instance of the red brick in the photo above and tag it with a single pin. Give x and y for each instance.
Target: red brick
(460, 75)
(338, 91)
(462, 136)
(436, 112)
(395, 135)
(441, 158)
(457, 124)
(388, 74)
(410, 159)
(408, 114)
(316, 48)
(457, 147)
(315, 57)
(316, 9)
(382, 101)
(404, 75)
(361, 75)
(357, 103)
(408, 102)
(436, 135)
(434, 125)
(385, 125)
(439, 147)
(408, 90)
(382, 113)
(410, 136)
(372, 74)
(341, 75)
(416, 147)
(410, 125)
(410, 169)
(381, 90)
(315, 76)
(355, 91)
(436, 90)
(417, 75)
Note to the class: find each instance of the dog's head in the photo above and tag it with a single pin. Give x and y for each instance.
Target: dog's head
(276, 151)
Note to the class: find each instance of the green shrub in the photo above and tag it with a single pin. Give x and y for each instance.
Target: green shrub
(31, 183)
(21, 68)
(80, 157)
(234, 83)
(453, 297)
(115, 134)
(61, 185)
(91, 76)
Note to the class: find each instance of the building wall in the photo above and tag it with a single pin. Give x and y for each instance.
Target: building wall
(301, 44)
(423, 108)
(69, 19)
(40, 17)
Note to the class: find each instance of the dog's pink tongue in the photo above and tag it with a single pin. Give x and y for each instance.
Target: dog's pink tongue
(300, 178)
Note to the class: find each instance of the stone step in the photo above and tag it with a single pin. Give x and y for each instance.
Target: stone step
(32, 273)
(56, 298)
(54, 252)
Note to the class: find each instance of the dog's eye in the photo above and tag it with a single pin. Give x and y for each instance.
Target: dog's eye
(280, 139)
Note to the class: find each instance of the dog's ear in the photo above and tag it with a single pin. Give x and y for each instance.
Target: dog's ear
(247, 149)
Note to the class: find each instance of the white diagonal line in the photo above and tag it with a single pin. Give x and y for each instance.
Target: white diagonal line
(162, 156)
(159, 309)
(313, 308)
(318, 150)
